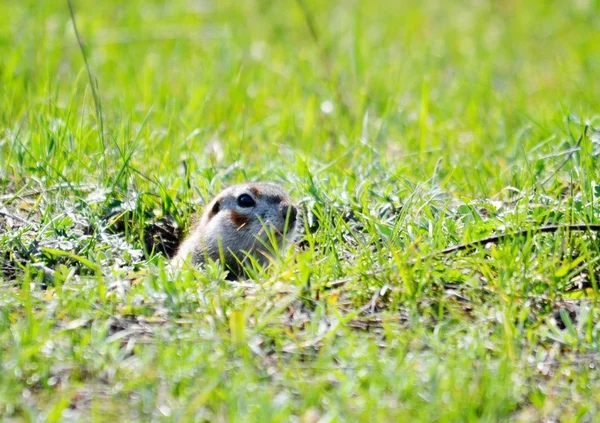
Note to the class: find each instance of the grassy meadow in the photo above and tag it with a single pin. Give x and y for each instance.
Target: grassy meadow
(400, 128)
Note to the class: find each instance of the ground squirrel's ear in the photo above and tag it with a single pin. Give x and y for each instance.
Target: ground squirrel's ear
(215, 209)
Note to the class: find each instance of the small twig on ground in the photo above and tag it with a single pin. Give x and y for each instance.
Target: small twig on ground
(19, 218)
(582, 227)
(339, 282)
(82, 187)
(569, 154)
(497, 238)
(573, 150)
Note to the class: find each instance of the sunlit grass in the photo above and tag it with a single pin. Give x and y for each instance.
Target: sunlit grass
(400, 129)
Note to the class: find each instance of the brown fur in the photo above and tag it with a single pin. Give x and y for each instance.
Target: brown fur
(238, 219)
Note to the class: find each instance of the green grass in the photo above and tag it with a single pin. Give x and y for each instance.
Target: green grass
(401, 129)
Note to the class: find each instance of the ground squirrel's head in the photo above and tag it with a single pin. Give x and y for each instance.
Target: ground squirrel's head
(253, 218)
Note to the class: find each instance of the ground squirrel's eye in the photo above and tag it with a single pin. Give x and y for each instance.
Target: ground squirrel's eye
(216, 208)
(245, 200)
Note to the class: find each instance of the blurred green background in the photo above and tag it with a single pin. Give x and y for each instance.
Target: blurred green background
(476, 83)
(402, 128)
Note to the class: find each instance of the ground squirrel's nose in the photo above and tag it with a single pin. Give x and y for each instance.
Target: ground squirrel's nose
(292, 212)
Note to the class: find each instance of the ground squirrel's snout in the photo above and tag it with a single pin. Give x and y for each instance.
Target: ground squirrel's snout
(292, 212)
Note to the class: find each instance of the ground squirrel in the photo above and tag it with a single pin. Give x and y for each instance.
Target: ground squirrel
(243, 220)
